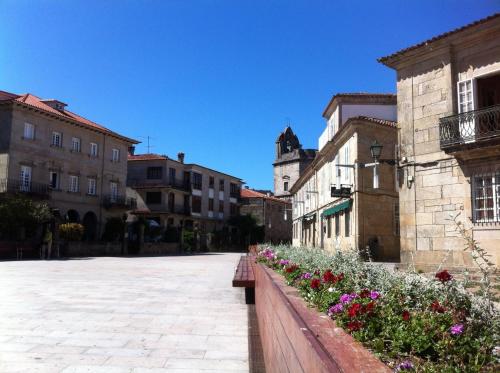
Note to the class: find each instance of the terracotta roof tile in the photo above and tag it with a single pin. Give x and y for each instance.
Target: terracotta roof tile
(383, 122)
(146, 157)
(249, 193)
(386, 60)
(36, 102)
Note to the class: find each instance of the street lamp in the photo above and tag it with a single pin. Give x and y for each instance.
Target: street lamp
(376, 150)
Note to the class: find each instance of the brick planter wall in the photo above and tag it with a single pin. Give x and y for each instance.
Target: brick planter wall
(296, 338)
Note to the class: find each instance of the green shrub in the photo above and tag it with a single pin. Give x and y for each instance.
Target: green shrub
(21, 214)
(71, 231)
(188, 240)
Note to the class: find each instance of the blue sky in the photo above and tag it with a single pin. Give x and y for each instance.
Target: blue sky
(216, 79)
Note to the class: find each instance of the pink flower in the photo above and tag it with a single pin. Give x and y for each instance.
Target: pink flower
(457, 329)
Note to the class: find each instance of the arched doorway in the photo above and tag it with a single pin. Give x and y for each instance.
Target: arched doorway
(89, 226)
(73, 216)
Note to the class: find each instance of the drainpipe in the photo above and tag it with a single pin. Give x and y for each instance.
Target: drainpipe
(101, 200)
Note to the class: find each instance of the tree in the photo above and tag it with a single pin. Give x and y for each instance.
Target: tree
(248, 230)
(21, 216)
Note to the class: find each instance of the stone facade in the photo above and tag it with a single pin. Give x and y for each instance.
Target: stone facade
(177, 195)
(34, 160)
(364, 216)
(291, 161)
(441, 166)
(271, 213)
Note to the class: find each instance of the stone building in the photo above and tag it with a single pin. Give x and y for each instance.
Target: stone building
(79, 166)
(448, 91)
(178, 194)
(291, 161)
(273, 214)
(335, 204)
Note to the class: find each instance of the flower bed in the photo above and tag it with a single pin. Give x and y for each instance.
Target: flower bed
(408, 321)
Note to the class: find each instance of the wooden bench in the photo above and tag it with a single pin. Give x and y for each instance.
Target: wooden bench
(244, 277)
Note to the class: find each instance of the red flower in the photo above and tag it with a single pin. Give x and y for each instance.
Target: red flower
(354, 310)
(364, 293)
(354, 325)
(436, 307)
(328, 276)
(291, 268)
(369, 308)
(340, 277)
(315, 283)
(405, 315)
(444, 276)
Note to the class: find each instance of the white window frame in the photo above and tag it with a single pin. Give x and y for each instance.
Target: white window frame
(25, 178)
(76, 145)
(347, 175)
(94, 149)
(466, 101)
(74, 184)
(91, 186)
(57, 139)
(113, 191)
(495, 196)
(29, 131)
(115, 155)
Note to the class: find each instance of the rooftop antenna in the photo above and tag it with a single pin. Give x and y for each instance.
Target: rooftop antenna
(149, 146)
(287, 121)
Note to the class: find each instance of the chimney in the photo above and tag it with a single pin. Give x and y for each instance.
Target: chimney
(180, 157)
(131, 150)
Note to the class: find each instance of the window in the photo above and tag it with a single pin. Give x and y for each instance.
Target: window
(153, 198)
(74, 184)
(171, 175)
(113, 189)
(29, 131)
(234, 190)
(25, 177)
(154, 172)
(396, 218)
(75, 145)
(486, 195)
(91, 187)
(221, 206)
(285, 186)
(94, 151)
(337, 225)
(233, 209)
(54, 180)
(329, 226)
(115, 155)
(197, 181)
(347, 222)
(346, 161)
(211, 182)
(221, 185)
(171, 202)
(57, 139)
(210, 204)
(196, 204)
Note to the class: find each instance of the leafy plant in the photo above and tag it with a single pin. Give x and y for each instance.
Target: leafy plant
(71, 231)
(19, 213)
(410, 321)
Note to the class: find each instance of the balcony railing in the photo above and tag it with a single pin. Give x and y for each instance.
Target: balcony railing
(139, 184)
(112, 201)
(25, 187)
(180, 210)
(470, 127)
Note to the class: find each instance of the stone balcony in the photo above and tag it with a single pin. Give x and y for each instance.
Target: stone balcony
(29, 188)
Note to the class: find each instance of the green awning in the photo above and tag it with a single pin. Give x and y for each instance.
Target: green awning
(337, 208)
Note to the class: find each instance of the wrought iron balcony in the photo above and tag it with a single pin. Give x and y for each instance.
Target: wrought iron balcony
(111, 201)
(141, 184)
(180, 210)
(470, 128)
(29, 188)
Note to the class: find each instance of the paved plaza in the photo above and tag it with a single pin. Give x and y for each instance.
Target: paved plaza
(112, 315)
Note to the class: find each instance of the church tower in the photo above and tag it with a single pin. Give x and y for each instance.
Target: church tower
(291, 160)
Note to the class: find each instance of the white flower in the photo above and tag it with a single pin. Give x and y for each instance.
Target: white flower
(330, 290)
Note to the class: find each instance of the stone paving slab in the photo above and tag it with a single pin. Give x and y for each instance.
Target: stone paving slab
(174, 314)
